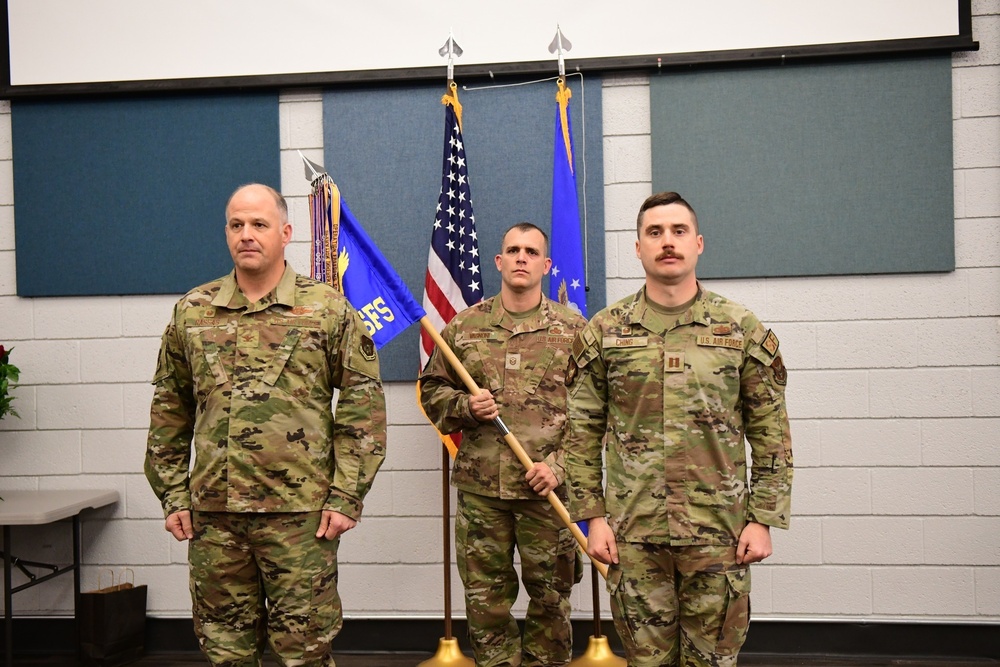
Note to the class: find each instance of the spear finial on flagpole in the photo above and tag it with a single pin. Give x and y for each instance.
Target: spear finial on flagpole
(558, 46)
(451, 50)
(324, 214)
(313, 170)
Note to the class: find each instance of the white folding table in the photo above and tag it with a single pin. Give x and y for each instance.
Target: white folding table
(32, 508)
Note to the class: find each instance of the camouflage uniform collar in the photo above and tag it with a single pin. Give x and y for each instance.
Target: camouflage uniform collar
(540, 320)
(638, 311)
(285, 291)
(224, 298)
(230, 296)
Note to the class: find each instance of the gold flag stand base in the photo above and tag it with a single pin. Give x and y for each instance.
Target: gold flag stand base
(599, 654)
(448, 653)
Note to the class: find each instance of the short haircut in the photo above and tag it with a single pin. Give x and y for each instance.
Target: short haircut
(278, 198)
(663, 199)
(527, 227)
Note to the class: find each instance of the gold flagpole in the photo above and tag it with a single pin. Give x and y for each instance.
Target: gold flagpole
(598, 652)
(448, 654)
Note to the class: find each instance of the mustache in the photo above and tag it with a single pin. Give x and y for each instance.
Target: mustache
(669, 255)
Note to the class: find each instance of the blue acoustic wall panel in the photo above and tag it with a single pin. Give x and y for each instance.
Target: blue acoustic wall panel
(819, 169)
(128, 195)
(383, 147)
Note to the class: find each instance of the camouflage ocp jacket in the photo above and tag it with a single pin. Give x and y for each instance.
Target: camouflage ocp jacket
(524, 367)
(673, 398)
(247, 389)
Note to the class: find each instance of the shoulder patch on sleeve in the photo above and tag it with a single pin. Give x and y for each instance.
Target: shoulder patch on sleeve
(368, 348)
(579, 345)
(770, 343)
(571, 371)
(766, 353)
(764, 346)
(586, 348)
(361, 354)
(778, 371)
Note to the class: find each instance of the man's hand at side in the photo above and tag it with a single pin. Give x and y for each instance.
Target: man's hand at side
(601, 542)
(755, 544)
(332, 524)
(178, 524)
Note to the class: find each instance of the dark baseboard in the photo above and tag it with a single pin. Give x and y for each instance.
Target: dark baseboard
(902, 640)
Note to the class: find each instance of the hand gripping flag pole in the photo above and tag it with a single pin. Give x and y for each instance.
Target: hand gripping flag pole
(449, 287)
(344, 256)
(511, 440)
(451, 101)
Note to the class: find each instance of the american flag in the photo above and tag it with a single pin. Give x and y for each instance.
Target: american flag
(453, 281)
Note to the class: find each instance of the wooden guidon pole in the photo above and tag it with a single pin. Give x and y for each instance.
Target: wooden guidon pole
(511, 441)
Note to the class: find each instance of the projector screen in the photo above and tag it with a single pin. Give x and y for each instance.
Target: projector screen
(104, 46)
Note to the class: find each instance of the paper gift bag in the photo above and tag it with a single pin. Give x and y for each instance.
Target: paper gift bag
(112, 624)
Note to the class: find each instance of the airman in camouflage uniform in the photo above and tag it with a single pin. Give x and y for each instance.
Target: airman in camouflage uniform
(516, 347)
(246, 374)
(673, 379)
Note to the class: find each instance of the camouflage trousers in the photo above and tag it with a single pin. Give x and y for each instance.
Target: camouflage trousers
(680, 606)
(486, 532)
(242, 562)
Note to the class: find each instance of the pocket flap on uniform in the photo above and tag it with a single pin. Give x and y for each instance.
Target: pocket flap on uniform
(739, 581)
(614, 578)
(281, 356)
(539, 370)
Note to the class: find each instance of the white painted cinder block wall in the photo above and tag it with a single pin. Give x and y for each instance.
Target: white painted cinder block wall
(894, 394)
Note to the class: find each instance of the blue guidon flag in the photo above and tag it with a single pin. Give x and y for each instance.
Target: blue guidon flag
(358, 269)
(568, 284)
